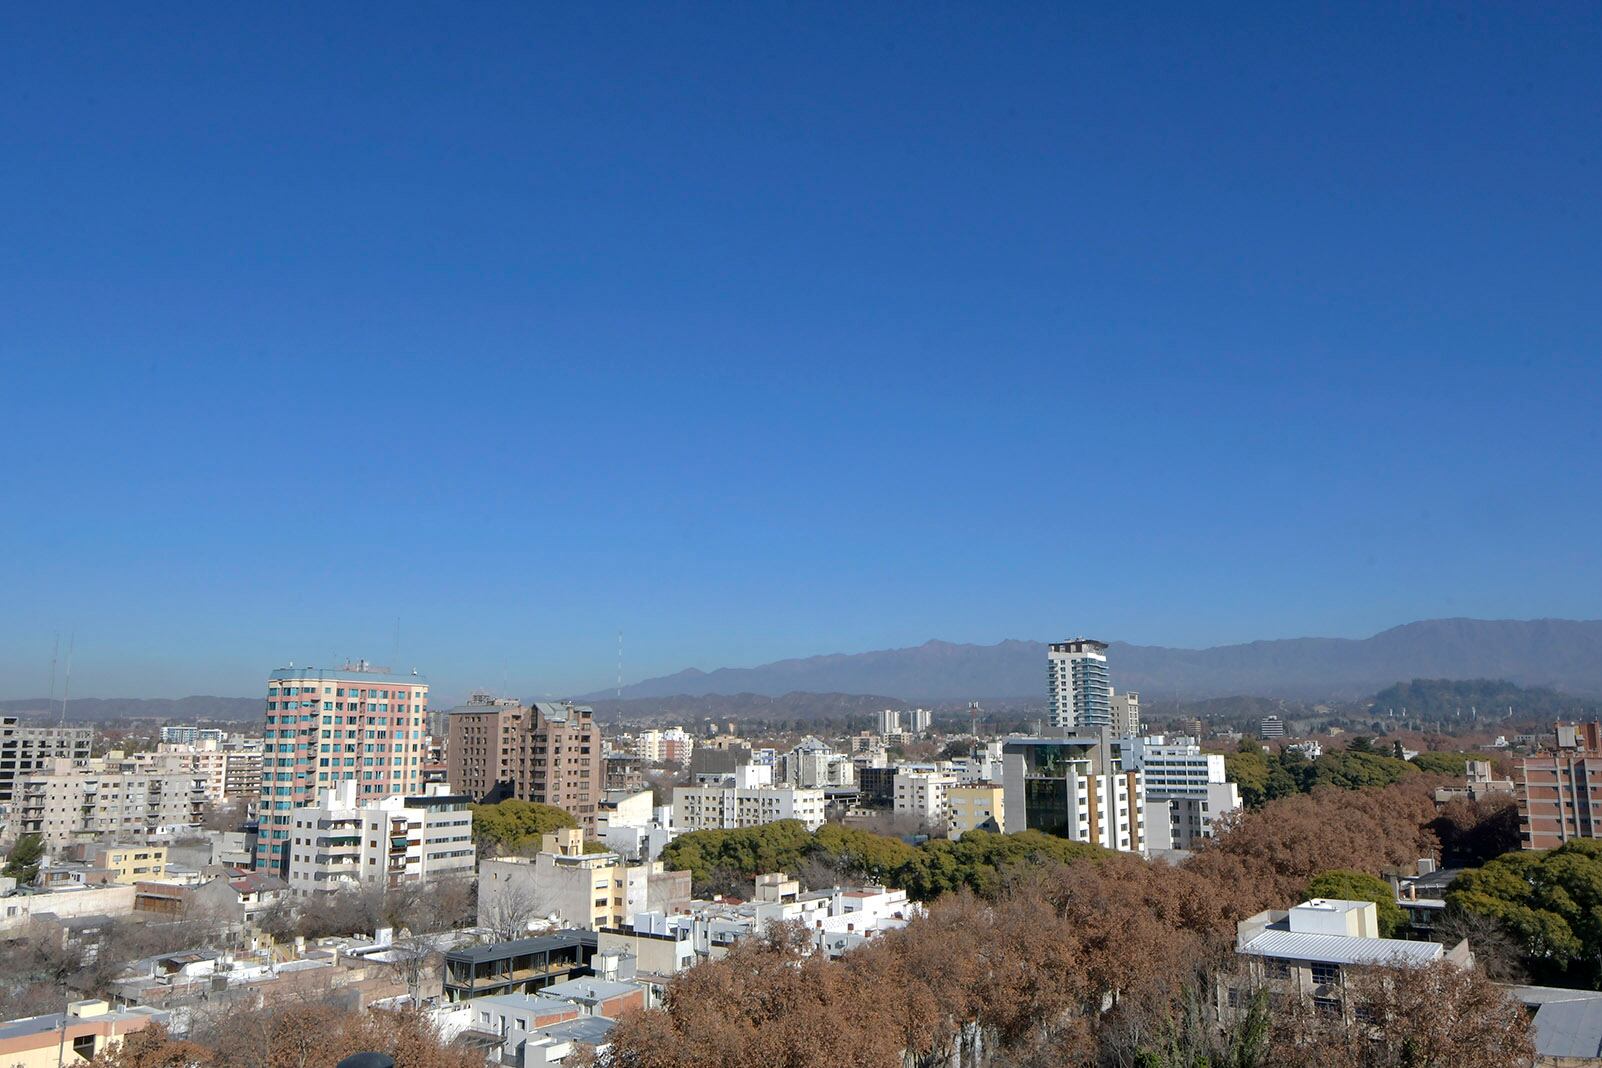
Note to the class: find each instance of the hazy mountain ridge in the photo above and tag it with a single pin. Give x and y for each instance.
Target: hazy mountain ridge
(688, 708)
(101, 709)
(1562, 654)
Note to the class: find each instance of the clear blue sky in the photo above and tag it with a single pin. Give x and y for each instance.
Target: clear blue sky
(765, 330)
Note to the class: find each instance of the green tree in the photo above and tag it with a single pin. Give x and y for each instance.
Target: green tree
(1454, 764)
(1551, 901)
(23, 862)
(512, 825)
(1346, 885)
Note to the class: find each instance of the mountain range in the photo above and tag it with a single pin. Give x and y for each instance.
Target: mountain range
(1563, 654)
(103, 709)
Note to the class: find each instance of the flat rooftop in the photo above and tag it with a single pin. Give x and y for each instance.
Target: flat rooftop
(590, 1030)
(359, 675)
(521, 946)
(589, 989)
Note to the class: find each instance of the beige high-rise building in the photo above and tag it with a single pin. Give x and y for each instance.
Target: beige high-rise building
(1125, 708)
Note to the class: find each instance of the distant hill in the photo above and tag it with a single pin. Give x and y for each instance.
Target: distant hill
(687, 709)
(1488, 698)
(1565, 655)
(102, 709)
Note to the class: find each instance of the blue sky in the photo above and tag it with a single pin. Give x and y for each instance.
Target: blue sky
(759, 330)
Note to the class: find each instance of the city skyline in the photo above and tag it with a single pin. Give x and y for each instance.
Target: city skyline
(761, 334)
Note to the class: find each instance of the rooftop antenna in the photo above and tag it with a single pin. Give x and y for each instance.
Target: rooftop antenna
(620, 665)
(50, 702)
(66, 689)
(396, 658)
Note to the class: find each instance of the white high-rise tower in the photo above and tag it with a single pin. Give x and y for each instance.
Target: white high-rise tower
(1081, 696)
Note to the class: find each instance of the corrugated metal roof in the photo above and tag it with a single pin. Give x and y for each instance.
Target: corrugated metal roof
(1569, 1029)
(1342, 949)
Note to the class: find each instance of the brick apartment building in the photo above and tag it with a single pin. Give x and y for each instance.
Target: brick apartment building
(497, 748)
(1557, 790)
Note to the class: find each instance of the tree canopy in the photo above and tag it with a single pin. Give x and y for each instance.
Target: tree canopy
(978, 861)
(1263, 776)
(509, 826)
(22, 864)
(1445, 699)
(1550, 900)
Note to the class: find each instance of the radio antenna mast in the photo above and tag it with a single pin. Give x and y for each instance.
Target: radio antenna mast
(620, 665)
(55, 654)
(66, 690)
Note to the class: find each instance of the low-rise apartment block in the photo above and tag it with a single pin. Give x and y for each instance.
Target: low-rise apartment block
(345, 840)
(1192, 783)
(69, 801)
(1310, 950)
(976, 808)
(565, 883)
(745, 799)
(922, 796)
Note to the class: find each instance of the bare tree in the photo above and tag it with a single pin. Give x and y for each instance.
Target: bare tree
(416, 961)
(508, 907)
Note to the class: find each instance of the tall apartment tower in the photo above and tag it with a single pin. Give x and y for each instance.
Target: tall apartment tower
(1558, 790)
(1125, 713)
(497, 748)
(360, 723)
(1081, 696)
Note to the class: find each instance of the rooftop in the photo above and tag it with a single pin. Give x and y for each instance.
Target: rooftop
(1342, 949)
(35, 1025)
(590, 1030)
(589, 989)
(360, 673)
(541, 944)
(1569, 1029)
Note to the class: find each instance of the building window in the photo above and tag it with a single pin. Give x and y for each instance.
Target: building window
(1326, 973)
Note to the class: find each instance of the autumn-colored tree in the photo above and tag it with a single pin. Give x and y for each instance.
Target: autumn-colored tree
(321, 1035)
(1438, 1015)
(1266, 858)
(153, 1047)
(1475, 832)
